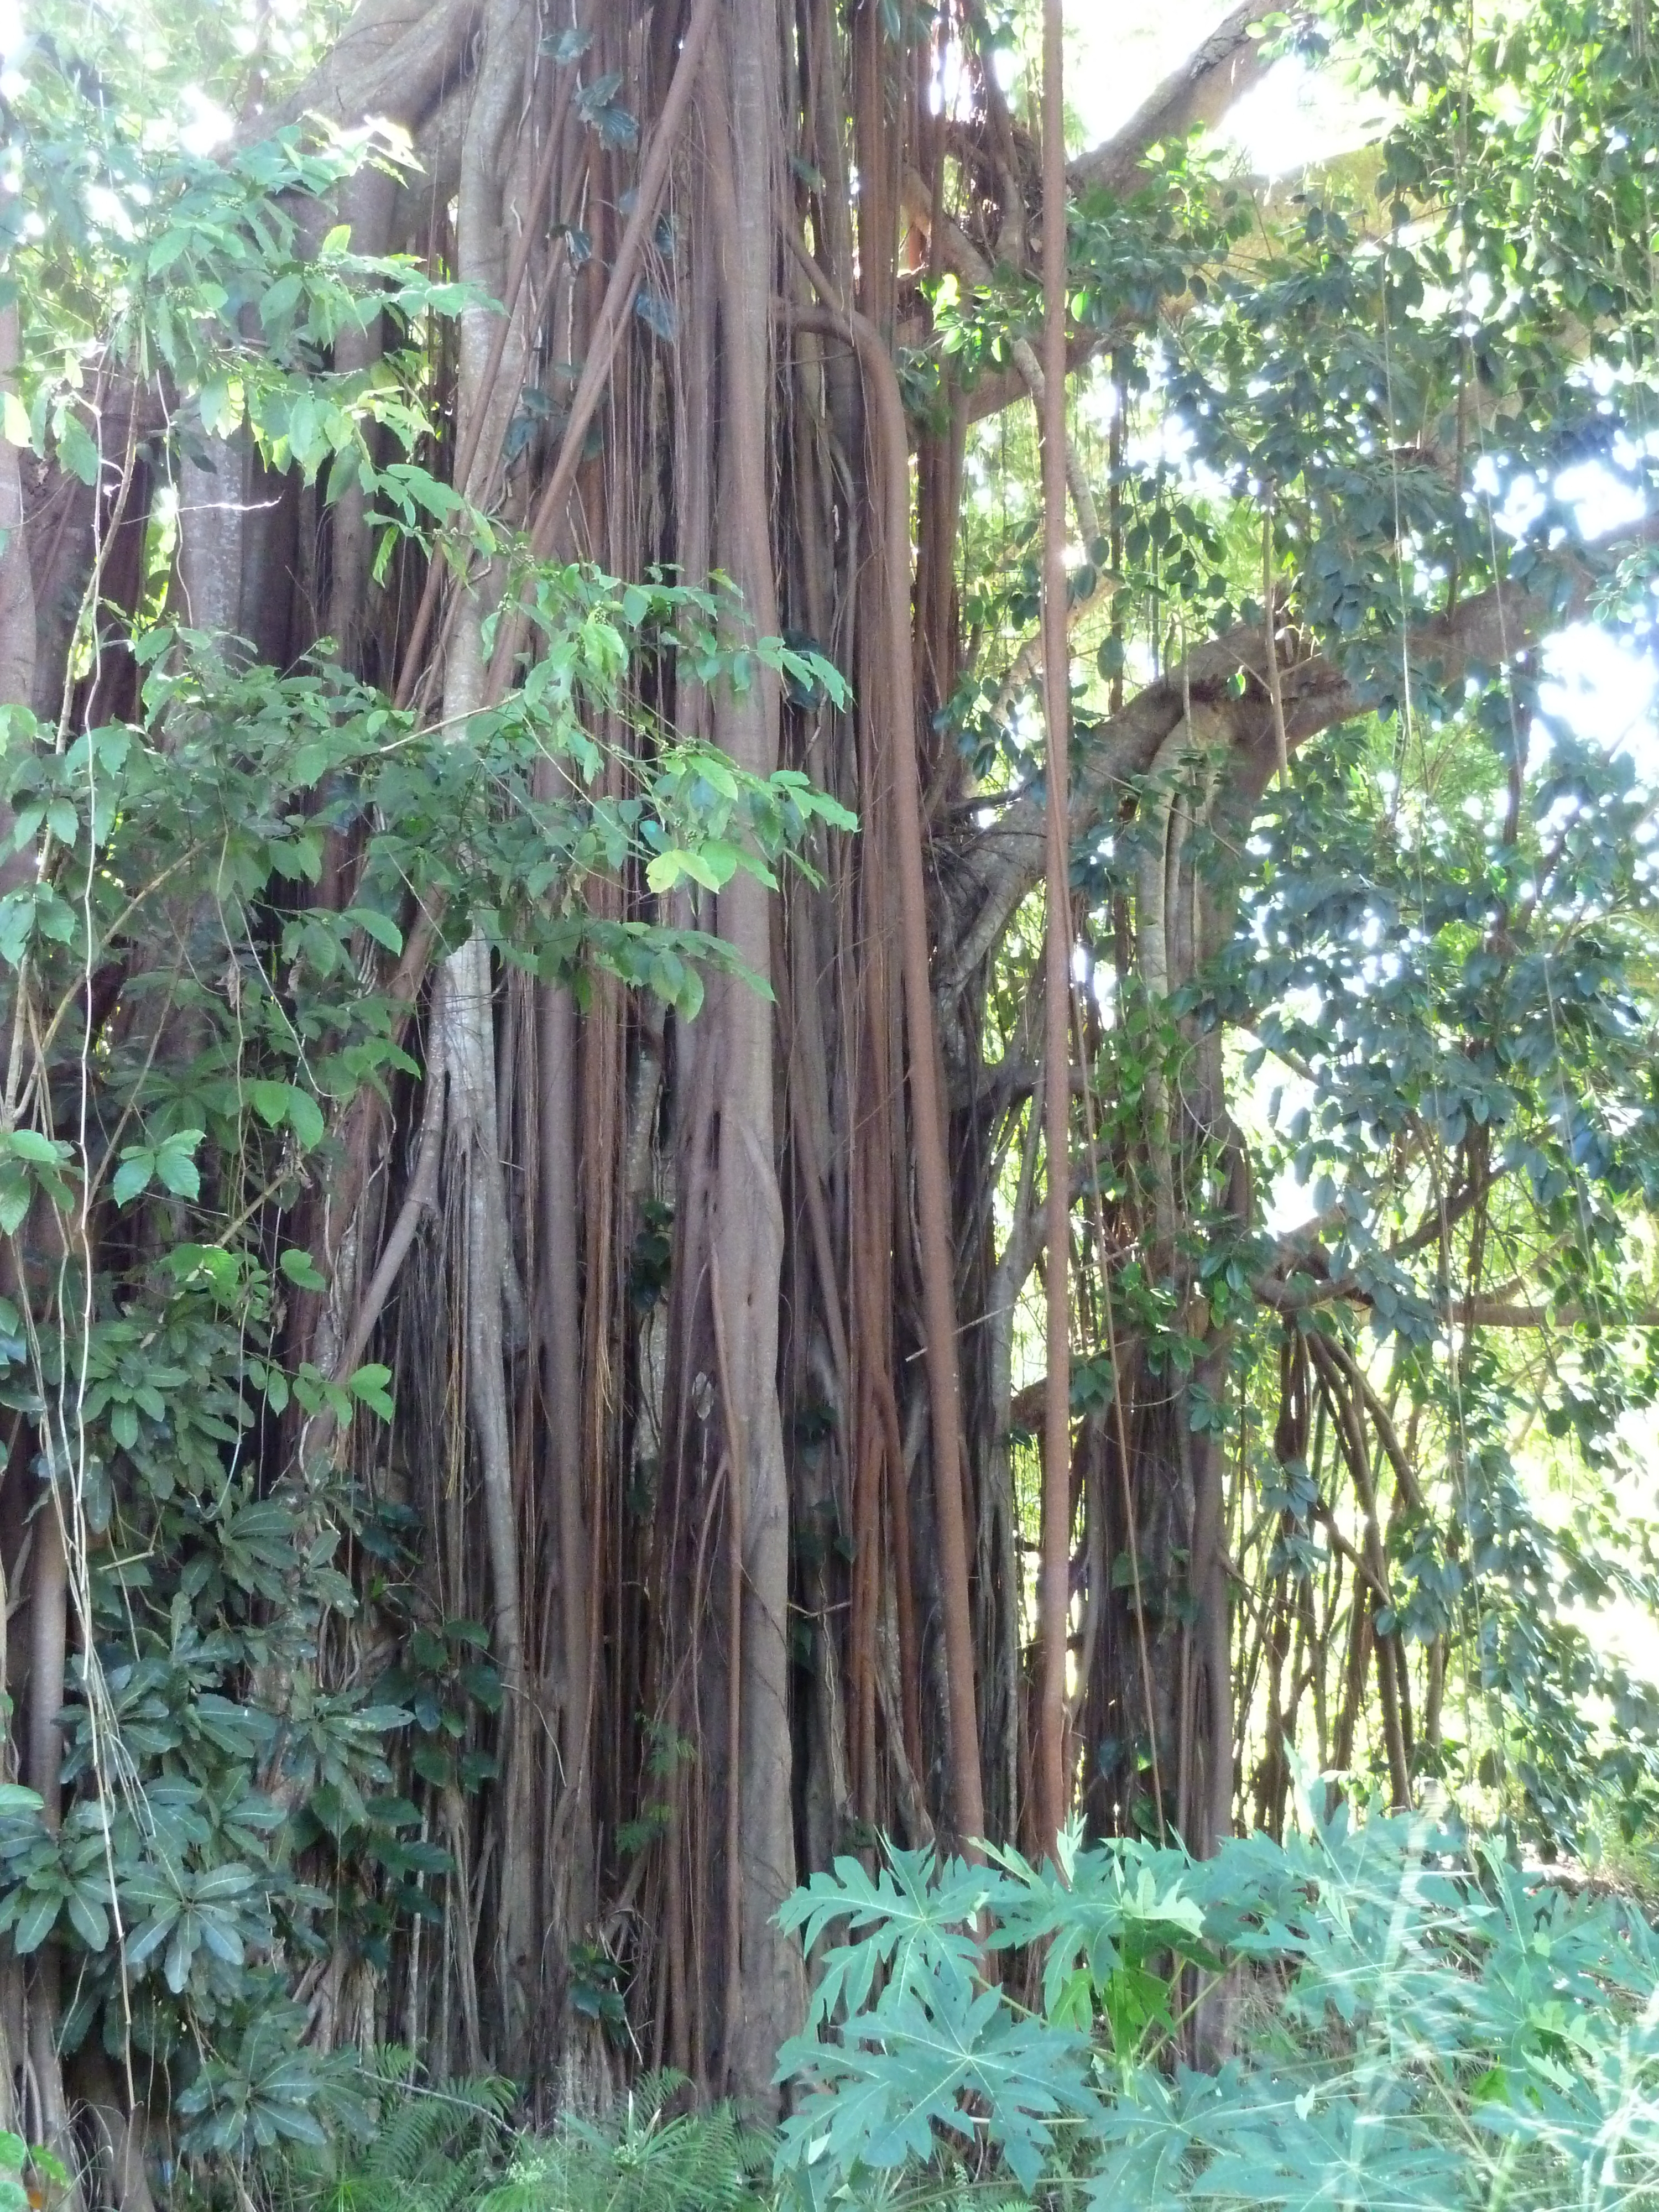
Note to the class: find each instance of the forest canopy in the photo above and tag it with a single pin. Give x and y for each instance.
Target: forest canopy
(828, 965)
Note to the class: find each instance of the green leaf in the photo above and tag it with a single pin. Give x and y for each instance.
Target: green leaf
(13, 421)
(36, 1921)
(380, 926)
(89, 1919)
(142, 1946)
(669, 867)
(276, 1102)
(280, 298)
(370, 1386)
(185, 1942)
(134, 1174)
(269, 1101)
(76, 451)
(220, 1882)
(16, 1197)
(301, 1270)
(305, 1118)
(907, 2067)
(40, 1150)
(175, 1166)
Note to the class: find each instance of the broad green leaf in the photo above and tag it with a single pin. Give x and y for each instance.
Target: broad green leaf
(15, 1197)
(134, 1174)
(75, 449)
(89, 1919)
(31, 1144)
(380, 926)
(670, 867)
(175, 1166)
(370, 1386)
(36, 1921)
(301, 1270)
(305, 1118)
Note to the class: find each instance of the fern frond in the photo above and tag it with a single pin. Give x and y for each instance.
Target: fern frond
(434, 2147)
(643, 2159)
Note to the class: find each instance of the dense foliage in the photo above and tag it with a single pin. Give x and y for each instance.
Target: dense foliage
(1420, 2024)
(199, 1032)
(231, 1805)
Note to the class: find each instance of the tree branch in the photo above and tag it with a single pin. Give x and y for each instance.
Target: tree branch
(965, 261)
(1201, 90)
(994, 868)
(1501, 1313)
(1026, 661)
(394, 59)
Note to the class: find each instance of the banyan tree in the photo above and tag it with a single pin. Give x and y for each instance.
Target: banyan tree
(646, 1235)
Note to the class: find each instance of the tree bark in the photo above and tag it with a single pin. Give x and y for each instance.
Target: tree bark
(17, 635)
(1054, 1786)
(741, 83)
(48, 1662)
(494, 163)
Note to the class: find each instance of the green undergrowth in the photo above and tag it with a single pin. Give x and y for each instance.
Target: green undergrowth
(1412, 2022)
(419, 2146)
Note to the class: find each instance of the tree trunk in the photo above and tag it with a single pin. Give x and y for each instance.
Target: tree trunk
(741, 84)
(1052, 1763)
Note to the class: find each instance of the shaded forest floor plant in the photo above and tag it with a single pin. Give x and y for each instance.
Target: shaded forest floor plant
(1411, 2021)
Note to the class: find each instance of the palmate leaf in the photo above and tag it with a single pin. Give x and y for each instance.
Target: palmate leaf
(873, 2098)
(1594, 2110)
(1264, 2139)
(1148, 2147)
(1254, 2138)
(1437, 2016)
(911, 1920)
(1100, 1909)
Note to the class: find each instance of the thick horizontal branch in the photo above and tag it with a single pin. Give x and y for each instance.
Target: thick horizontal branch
(996, 866)
(395, 59)
(1218, 72)
(1503, 1313)
(993, 393)
(1300, 1275)
(1303, 1292)
(1200, 91)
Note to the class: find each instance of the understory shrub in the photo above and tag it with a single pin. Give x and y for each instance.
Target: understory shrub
(1416, 2021)
(420, 2147)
